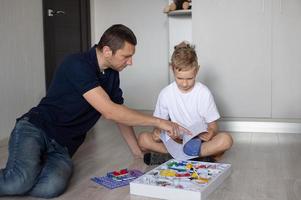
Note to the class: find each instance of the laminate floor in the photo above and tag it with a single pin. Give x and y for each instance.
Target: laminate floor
(266, 166)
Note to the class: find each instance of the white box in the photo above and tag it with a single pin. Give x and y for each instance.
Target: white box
(156, 185)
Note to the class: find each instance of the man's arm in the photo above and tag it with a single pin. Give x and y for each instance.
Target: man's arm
(129, 136)
(99, 99)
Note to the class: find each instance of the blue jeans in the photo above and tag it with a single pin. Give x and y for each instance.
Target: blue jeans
(36, 166)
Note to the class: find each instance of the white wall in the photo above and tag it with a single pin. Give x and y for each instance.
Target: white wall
(180, 29)
(250, 54)
(232, 39)
(21, 59)
(141, 82)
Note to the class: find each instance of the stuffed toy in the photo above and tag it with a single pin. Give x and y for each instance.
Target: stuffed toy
(178, 5)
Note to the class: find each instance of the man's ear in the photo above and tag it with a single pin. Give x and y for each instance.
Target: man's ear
(107, 52)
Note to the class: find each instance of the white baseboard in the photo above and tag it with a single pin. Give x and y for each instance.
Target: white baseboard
(260, 126)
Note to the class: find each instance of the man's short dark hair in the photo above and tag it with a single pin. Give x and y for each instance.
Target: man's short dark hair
(115, 37)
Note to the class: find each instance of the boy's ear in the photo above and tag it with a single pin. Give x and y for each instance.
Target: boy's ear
(107, 52)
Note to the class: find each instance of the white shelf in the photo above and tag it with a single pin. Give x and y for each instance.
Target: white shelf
(180, 13)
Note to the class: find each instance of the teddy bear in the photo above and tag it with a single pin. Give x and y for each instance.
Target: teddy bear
(178, 5)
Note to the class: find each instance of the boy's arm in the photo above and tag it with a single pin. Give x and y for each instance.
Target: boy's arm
(129, 136)
(212, 131)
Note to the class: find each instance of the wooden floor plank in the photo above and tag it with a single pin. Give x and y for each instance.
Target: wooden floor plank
(266, 166)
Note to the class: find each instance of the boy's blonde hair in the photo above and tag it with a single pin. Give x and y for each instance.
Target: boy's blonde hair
(184, 57)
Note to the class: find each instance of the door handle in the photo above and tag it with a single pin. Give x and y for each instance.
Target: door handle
(52, 13)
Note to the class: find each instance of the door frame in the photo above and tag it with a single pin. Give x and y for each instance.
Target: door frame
(85, 33)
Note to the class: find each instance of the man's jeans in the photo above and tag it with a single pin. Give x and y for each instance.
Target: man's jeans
(36, 166)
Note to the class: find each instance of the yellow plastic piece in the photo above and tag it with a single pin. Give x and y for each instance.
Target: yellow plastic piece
(204, 180)
(168, 172)
(189, 166)
(194, 175)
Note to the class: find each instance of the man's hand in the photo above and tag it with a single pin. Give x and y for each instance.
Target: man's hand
(173, 130)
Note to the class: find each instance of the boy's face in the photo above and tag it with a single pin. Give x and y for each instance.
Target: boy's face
(185, 79)
(122, 57)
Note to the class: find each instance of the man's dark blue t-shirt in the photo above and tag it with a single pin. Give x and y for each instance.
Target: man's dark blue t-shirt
(64, 114)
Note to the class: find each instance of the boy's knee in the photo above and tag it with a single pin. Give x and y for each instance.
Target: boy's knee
(227, 140)
(141, 139)
(144, 140)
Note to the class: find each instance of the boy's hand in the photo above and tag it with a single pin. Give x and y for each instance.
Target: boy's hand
(206, 136)
(212, 131)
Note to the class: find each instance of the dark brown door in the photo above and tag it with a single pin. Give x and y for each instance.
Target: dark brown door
(66, 31)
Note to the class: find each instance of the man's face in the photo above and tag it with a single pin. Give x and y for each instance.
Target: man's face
(185, 79)
(122, 57)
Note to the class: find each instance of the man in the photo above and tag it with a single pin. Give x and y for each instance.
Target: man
(84, 87)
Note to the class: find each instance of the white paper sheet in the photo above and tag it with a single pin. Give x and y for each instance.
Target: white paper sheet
(175, 149)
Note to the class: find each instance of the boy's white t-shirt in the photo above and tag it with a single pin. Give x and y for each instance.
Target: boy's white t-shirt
(193, 110)
(189, 108)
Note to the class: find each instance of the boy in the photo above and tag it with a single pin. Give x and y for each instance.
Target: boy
(186, 101)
